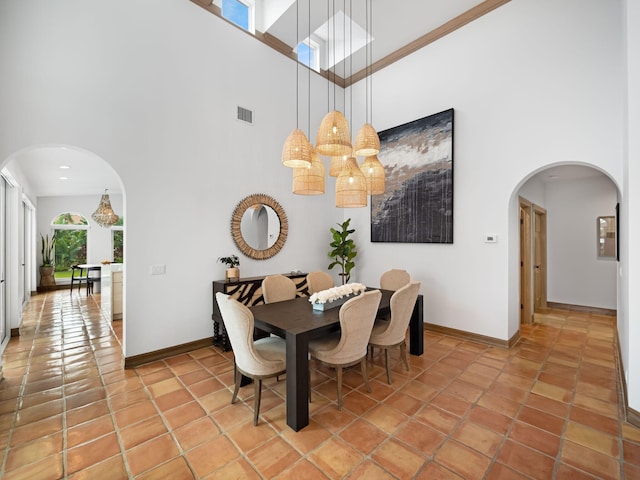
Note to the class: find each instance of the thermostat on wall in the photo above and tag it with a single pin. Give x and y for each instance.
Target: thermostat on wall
(490, 238)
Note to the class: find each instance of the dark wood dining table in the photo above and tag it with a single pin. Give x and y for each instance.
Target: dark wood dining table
(297, 322)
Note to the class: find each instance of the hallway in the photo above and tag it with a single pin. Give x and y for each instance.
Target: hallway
(548, 408)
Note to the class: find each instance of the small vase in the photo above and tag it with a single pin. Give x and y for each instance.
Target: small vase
(232, 274)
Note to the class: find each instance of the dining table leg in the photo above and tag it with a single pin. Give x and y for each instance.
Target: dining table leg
(297, 380)
(416, 328)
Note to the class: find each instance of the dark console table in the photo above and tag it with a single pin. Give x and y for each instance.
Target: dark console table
(247, 291)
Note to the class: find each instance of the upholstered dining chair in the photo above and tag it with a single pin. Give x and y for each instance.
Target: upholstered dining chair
(318, 281)
(349, 346)
(277, 288)
(259, 359)
(394, 279)
(392, 333)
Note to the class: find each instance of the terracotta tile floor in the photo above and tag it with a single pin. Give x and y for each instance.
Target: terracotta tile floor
(548, 408)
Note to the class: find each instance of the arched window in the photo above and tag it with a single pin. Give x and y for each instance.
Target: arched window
(71, 242)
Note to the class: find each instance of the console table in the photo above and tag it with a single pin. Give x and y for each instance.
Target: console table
(247, 291)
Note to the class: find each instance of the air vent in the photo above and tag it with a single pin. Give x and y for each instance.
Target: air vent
(245, 115)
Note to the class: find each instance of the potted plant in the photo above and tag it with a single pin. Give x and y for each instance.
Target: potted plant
(47, 278)
(232, 274)
(344, 250)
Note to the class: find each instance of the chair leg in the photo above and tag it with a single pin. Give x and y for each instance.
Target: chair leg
(257, 389)
(238, 378)
(365, 375)
(386, 362)
(339, 380)
(403, 355)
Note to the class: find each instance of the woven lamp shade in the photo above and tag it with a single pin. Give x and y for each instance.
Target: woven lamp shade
(309, 180)
(336, 166)
(351, 186)
(373, 172)
(367, 141)
(104, 215)
(297, 151)
(333, 137)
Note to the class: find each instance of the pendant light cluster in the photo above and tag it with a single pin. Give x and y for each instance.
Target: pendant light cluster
(353, 182)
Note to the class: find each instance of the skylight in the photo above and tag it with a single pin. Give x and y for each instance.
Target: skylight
(337, 44)
(309, 54)
(240, 12)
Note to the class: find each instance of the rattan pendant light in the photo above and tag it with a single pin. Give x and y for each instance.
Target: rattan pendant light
(373, 172)
(309, 180)
(351, 186)
(104, 215)
(367, 141)
(333, 137)
(297, 151)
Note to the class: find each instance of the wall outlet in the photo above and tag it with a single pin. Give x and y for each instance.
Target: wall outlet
(158, 269)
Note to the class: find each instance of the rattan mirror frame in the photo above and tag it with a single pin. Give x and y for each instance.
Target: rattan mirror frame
(236, 233)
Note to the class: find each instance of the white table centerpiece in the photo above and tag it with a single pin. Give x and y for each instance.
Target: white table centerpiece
(335, 296)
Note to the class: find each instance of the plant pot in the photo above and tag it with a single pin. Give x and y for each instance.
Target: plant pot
(232, 274)
(47, 280)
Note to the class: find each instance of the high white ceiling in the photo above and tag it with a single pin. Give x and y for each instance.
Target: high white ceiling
(394, 25)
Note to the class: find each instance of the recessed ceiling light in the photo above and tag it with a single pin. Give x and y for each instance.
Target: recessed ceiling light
(64, 178)
(64, 167)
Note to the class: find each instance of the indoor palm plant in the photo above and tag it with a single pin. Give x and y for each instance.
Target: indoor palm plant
(232, 274)
(47, 278)
(344, 250)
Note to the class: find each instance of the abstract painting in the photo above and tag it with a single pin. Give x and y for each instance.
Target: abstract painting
(417, 206)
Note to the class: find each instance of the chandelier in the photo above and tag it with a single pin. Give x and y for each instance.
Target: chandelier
(333, 140)
(104, 215)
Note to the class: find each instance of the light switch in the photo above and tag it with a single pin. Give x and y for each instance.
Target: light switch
(490, 238)
(158, 269)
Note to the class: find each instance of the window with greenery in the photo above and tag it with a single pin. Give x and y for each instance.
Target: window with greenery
(240, 12)
(71, 242)
(117, 239)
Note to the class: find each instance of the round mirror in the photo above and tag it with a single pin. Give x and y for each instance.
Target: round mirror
(259, 226)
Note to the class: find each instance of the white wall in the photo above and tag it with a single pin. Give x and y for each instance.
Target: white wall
(522, 100)
(629, 316)
(575, 274)
(157, 101)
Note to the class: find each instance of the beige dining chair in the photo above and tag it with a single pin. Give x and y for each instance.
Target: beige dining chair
(392, 333)
(277, 288)
(318, 281)
(394, 279)
(349, 346)
(259, 359)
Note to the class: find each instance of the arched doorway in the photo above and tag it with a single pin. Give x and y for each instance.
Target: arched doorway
(54, 179)
(554, 215)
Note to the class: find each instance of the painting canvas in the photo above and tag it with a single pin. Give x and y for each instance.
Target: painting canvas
(417, 206)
